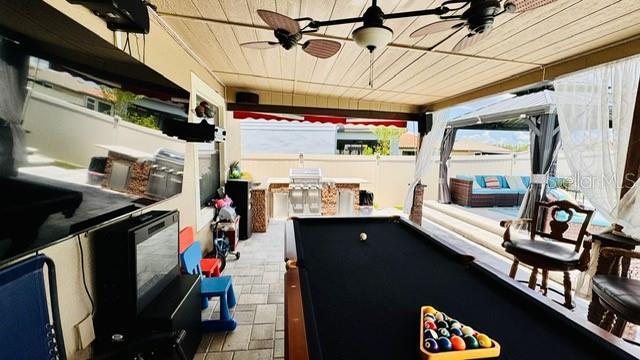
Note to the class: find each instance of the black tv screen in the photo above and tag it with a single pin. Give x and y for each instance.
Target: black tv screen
(156, 259)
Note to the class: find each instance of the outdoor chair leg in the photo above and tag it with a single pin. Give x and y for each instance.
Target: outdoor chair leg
(533, 279)
(514, 269)
(545, 278)
(568, 302)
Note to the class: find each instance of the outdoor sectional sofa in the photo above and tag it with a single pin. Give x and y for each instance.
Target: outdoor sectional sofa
(463, 191)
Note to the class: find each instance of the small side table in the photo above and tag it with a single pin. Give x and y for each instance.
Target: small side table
(596, 310)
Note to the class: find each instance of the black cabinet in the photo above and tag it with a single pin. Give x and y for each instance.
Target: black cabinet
(240, 192)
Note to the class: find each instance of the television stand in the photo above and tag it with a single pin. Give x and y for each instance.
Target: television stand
(176, 308)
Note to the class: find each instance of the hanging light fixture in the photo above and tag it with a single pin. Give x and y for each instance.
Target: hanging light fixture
(372, 34)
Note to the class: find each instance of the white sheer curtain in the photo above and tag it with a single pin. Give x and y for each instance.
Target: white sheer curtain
(429, 145)
(586, 102)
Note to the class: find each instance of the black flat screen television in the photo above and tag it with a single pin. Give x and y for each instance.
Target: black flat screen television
(135, 260)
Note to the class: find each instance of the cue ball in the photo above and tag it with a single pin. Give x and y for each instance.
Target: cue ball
(363, 236)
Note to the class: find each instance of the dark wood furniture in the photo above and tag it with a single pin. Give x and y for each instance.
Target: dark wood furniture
(352, 299)
(544, 249)
(462, 194)
(605, 266)
(616, 293)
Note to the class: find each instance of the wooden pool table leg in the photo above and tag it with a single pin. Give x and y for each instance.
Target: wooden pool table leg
(533, 279)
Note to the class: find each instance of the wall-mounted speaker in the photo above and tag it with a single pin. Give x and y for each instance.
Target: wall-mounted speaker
(247, 98)
(120, 15)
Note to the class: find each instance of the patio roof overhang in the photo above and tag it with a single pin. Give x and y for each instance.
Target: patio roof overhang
(410, 75)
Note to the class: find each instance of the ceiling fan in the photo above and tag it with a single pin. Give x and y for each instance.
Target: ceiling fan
(478, 18)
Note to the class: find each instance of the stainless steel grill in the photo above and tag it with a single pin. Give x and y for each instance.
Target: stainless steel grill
(305, 191)
(165, 179)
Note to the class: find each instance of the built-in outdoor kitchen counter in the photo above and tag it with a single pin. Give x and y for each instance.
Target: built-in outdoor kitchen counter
(273, 199)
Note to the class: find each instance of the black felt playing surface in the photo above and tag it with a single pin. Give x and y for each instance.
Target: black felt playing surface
(365, 297)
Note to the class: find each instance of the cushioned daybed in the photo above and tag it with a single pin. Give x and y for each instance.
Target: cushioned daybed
(485, 191)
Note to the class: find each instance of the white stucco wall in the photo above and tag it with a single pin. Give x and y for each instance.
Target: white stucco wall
(283, 137)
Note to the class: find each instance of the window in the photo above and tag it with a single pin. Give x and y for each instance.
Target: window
(91, 103)
(99, 105)
(104, 107)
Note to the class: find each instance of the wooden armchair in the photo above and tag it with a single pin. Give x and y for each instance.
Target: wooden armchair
(544, 250)
(619, 295)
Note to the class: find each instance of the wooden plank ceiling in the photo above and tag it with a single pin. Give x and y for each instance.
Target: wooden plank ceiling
(405, 73)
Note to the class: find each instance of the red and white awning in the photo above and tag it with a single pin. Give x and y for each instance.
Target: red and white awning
(241, 115)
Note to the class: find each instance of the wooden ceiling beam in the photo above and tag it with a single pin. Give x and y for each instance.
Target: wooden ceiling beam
(338, 38)
(613, 52)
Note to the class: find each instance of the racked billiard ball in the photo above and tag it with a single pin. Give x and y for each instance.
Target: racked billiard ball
(431, 334)
(430, 325)
(454, 324)
(467, 330)
(471, 341)
(441, 316)
(457, 343)
(431, 345)
(430, 310)
(441, 324)
(483, 340)
(444, 344)
(429, 316)
(443, 332)
(456, 331)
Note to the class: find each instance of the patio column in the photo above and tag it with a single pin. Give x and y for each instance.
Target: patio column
(444, 195)
(14, 64)
(545, 144)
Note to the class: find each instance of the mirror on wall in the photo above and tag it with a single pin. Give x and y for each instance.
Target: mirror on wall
(77, 150)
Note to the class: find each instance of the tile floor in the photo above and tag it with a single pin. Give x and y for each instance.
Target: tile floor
(258, 281)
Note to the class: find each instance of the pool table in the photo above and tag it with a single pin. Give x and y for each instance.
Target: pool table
(352, 299)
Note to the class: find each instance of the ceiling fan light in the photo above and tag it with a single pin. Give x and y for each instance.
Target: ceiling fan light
(372, 37)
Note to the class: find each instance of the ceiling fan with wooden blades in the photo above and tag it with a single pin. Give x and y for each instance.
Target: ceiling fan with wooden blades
(478, 19)
(288, 34)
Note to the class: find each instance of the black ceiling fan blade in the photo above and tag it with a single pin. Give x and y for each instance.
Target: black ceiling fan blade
(525, 5)
(278, 21)
(470, 40)
(260, 44)
(321, 48)
(437, 27)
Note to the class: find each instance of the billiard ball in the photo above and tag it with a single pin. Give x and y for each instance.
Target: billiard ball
(430, 310)
(455, 324)
(430, 334)
(471, 341)
(456, 331)
(483, 340)
(441, 324)
(430, 325)
(442, 332)
(431, 345)
(457, 343)
(444, 344)
(429, 316)
(467, 330)
(441, 316)
(363, 236)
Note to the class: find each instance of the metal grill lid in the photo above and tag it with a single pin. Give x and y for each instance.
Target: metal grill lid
(305, 174)
(169, 155)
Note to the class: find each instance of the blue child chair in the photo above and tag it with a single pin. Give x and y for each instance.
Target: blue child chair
(211, 286)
